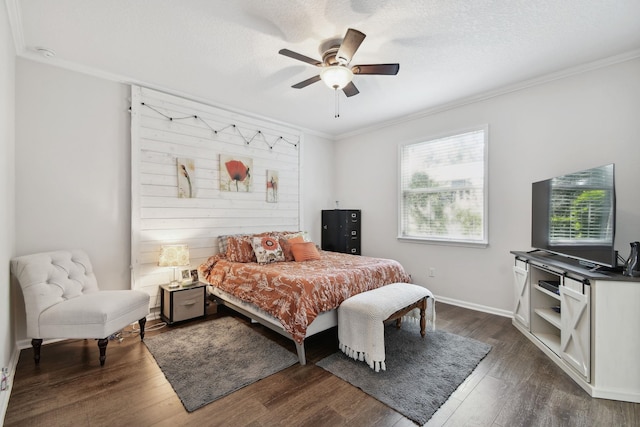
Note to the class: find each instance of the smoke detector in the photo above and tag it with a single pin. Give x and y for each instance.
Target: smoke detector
(47, 53)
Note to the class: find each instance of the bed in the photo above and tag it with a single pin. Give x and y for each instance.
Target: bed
(296, 299)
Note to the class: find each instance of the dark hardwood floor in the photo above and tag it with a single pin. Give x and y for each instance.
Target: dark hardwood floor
(515, 385)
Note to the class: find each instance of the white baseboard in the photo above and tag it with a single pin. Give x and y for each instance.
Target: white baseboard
(476, 307)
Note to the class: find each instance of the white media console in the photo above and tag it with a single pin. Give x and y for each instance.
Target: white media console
(589, 326)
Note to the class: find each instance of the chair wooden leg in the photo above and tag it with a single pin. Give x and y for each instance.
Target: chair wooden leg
(423, 317)
(142, 322)
(102, 344)
(36, 343)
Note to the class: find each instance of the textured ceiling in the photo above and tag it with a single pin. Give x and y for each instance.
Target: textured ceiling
(226, 52)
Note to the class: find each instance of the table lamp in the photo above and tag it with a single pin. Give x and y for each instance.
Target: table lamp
(174, 256)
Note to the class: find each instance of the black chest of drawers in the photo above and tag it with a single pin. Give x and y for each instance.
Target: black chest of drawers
(341, 230)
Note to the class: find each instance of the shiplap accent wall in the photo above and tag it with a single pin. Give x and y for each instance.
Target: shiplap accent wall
(160, 217)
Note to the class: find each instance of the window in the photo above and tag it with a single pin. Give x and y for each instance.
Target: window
(443, 189)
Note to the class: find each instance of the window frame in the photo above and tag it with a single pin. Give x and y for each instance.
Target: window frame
(449, 241)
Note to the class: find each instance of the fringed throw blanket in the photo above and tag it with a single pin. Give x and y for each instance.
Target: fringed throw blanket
(361, 317)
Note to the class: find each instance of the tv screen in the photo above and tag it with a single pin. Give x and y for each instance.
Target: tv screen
(574, 215)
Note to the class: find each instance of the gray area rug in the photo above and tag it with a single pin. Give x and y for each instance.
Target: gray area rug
(209, 360)
(421, 372)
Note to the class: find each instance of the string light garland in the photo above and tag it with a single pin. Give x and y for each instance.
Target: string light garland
(247, 141)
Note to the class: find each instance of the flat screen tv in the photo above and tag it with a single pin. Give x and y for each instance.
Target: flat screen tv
(574, 215)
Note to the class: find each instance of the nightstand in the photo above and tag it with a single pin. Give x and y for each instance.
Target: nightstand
(185, 302)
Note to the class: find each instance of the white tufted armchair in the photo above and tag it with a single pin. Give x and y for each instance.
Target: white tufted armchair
(62, 300)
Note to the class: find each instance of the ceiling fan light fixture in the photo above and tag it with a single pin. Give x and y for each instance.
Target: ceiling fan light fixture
(336, 76)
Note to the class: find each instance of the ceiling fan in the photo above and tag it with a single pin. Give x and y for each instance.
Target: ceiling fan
(335, 69)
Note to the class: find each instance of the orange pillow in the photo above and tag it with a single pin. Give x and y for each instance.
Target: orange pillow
(306, 251)
(285, 244)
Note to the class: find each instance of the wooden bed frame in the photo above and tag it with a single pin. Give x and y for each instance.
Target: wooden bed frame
(324, 321)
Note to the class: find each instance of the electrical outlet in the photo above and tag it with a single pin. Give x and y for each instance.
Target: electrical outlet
(4, 382)
(432, 272)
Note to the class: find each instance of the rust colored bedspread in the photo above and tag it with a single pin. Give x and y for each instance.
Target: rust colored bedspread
(296, 292)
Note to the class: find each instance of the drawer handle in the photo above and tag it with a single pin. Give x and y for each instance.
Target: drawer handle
(189, 302)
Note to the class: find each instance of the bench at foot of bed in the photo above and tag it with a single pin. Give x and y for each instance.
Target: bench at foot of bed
(361, 317)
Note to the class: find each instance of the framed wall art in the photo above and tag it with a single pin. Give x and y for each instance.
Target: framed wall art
(186, 178)
(272, 186)
(235, 173)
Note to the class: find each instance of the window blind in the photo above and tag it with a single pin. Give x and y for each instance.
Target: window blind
(443, 188)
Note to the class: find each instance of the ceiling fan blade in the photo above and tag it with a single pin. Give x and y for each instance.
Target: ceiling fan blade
(299, 57)
(350, 89)
(350, 44)
(307, 82)
(383, 69)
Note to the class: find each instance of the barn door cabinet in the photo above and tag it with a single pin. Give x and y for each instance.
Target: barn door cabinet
(587, 322)
(522, 292)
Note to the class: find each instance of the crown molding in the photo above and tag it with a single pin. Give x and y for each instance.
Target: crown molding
(558, 75)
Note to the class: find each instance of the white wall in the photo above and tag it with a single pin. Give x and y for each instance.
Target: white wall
(558, 127)
(7, 218)
(317, 178)
(8, 354)
(73, 167)
(73, 183)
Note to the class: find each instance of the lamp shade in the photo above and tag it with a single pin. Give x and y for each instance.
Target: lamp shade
(336, 76)
(174, 256)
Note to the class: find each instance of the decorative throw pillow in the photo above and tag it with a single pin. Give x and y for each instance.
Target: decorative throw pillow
(239, 249)
(267, 249)
(223, 242)
(303, 234)
(306, 251)
(286, 246)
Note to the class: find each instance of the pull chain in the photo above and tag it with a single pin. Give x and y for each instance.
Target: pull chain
(337, 106)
